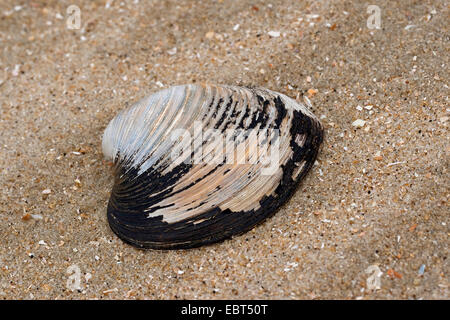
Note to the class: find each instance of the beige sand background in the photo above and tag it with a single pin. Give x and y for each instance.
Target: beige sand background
(378, 194)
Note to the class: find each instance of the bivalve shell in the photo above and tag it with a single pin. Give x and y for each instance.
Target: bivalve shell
(196, 164)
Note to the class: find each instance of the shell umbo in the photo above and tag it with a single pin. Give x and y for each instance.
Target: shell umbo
(163, 202)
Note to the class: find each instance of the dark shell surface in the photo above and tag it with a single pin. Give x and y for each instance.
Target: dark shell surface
(242, 154)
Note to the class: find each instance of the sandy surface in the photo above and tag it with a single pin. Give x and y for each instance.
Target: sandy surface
(378, 194)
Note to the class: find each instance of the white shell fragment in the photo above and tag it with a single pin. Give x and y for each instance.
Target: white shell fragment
(196, 164)
(274, 34)
(358, 123)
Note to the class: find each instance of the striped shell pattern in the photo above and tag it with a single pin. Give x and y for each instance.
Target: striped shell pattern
(196, 164)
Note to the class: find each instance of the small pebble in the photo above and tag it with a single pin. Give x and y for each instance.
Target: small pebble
(312, 92)
(209, 35)
(422, 270)
(110, 291)
(378, 156)
(16, 70)
(373, 282)
(172, 51)
(358, 123)
(274, 34)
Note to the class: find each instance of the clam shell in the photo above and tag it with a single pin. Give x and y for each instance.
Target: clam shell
(196, 164)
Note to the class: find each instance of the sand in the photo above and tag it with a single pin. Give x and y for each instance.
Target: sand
(371, 219)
